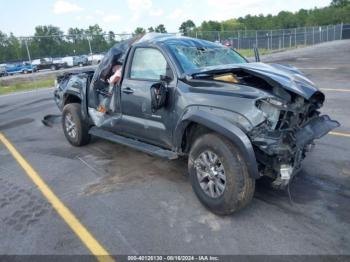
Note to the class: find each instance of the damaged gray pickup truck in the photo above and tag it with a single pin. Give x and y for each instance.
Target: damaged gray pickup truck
(235, 121)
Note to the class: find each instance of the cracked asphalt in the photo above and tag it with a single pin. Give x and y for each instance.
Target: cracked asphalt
(134, 203)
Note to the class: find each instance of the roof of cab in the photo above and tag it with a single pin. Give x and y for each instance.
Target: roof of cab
(172, 39)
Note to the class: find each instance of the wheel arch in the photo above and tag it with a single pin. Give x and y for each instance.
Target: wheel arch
(191, 122)
(71, 97)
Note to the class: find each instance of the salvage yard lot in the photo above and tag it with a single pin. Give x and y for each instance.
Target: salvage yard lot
(133, 203)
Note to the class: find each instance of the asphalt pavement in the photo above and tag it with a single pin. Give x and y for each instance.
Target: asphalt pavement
(133, 203)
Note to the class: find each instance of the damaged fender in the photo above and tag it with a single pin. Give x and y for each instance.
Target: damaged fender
(75, 86)
(223, 127)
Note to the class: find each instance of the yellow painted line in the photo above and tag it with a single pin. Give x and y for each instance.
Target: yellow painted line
(335, 89)
(339, 134)
(77, 227)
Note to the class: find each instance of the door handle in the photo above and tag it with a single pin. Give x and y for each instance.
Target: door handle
(128, 90)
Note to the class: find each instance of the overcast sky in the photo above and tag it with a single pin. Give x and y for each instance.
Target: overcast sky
(20, 17)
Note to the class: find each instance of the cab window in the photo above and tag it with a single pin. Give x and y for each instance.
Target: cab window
(148, 64)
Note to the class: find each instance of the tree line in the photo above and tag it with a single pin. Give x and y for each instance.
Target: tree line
(337, 12)
(51, 41)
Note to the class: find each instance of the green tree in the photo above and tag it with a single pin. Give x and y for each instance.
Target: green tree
(340, 3)
(77, 42)
(97, 38)
(231, 25)
(48, 41)
(160, 29)
(187, 26)
(150, 29)
(111, 38)
(139, 31)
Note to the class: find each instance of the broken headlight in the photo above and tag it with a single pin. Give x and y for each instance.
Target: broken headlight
(271, 109)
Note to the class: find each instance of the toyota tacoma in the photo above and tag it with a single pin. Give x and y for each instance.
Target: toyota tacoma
(235, 121)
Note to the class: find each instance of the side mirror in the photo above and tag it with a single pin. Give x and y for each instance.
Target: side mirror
(158, 96)
(165, 79)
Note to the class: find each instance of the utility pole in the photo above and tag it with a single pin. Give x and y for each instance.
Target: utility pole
(88, 38)
(271, 41)
(90, 46)
(341, 31)
(28, 53)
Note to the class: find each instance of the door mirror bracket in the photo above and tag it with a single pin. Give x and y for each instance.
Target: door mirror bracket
(158, 95)
(165, 79)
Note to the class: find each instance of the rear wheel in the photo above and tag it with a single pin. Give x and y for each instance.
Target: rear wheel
(74, 127)
(219, 175)
(53, 67)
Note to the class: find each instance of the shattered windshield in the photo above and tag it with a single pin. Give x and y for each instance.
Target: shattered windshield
(192, 58)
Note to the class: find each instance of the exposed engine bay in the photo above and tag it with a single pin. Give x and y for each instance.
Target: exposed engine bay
(292, 122)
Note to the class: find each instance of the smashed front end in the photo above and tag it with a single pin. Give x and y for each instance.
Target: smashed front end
(288, 132)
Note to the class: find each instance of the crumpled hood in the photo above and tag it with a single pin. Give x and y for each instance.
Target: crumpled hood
(287, 77)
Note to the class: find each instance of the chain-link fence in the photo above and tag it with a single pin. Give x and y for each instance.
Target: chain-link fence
(273, 39)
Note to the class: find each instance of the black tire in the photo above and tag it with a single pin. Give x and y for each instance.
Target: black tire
(239, 186)
(81, 128)
(53, 67)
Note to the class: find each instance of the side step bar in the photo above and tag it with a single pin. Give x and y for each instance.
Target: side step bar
(135, 144)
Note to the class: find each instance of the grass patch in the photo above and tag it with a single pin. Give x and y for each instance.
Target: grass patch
(26, 86)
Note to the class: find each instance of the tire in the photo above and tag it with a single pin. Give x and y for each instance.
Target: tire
(25, 72)
(77, 135)
(238, 186)
(53, 67)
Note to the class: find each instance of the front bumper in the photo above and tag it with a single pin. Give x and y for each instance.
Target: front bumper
(280, 152)
(315, 129)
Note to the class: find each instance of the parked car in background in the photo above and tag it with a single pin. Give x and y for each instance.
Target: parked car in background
(58, 63)
(228, 43)
(95, 58)
(70, 61)
(48, 63)
(82, 60)
(3, 71)
(23, 68)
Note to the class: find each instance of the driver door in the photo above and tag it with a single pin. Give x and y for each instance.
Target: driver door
(138, 120)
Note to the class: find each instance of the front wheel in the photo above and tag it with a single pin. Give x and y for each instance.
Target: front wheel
(219, 174)
(74, 127)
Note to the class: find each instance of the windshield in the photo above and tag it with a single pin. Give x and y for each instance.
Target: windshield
(192, 58)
